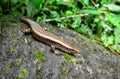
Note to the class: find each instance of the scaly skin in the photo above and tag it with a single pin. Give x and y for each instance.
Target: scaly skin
(50, 38)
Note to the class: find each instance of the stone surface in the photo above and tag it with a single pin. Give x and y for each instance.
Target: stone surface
(22, 56)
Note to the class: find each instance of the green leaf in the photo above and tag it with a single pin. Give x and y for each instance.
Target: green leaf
(68, 4)
(117, 35)
(69, 12)
(38, 3)
(76, 23)
(107, 40)
(117, 0)
(54, 14)
(113, 7)
(114, 19)
(90, 11)
(25, 1)
(13, 1)
(14, 11)
(57, 19)
(104, 39)
(110, 39)
(31, 10)
(96, 20)
(84, 29)
(4, 1)
(84, 2)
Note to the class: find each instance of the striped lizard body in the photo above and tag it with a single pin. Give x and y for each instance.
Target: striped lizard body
(47, 37)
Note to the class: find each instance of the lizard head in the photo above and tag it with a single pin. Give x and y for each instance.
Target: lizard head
(75, 50)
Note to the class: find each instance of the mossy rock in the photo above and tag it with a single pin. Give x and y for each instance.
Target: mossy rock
(18, 59)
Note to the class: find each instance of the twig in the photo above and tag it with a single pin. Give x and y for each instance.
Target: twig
(85, 22)
(71, 16)
(96, 5)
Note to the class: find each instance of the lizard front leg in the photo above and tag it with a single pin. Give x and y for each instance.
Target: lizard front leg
(53, 49)
(29, 30)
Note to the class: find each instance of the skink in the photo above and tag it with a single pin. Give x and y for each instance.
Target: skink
(55, 41)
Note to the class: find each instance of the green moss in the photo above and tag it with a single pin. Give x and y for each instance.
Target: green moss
(14, 35)
(8, 66)
(67, 56)
(39, 55)
(12, 50)
(89, 70)
(63, 71)
(18, 62)
(63, 74)
(22, 73)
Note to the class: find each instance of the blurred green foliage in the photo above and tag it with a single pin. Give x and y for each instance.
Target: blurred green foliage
(101, 22)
